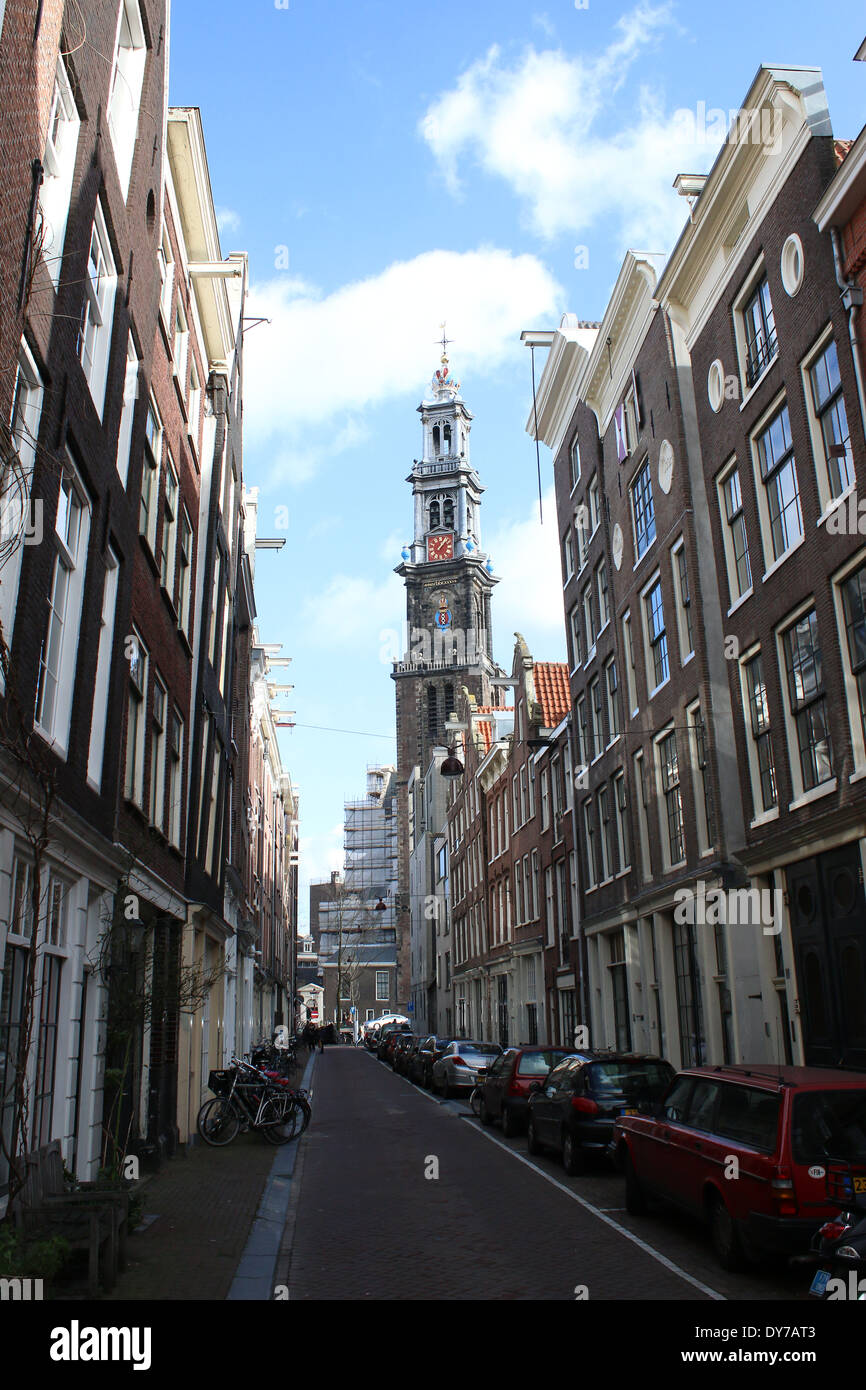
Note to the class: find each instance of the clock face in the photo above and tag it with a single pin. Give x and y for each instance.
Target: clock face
(440, 547)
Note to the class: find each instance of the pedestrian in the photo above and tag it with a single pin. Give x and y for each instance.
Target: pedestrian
(320, 1034)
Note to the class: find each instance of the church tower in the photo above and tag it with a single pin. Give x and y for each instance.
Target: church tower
(449, 581)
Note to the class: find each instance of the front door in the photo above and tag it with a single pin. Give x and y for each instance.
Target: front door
(828, 927)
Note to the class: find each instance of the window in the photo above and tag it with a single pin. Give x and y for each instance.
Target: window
(760, 330)
(656, 635)
(834, 440)
(535, 884)
(59, 655)
(59, 164)
(775, 451)
(103, 671)
(147, 512)
(181, 345)
(584, 751)
(594, 507)
(193, 408)
(127, 79)
(689, 1007)
(381, 986)
(15, 481)
(165, 262)
(596, 727)
(612, 687)
(736, 539)
(853, 597)
(135, 722)
(567, 555)
(606, 839)
(807, 701)
(94, 334)
(589, 620)
(669, 777)
(157, 755)
(574, 463)
(684, 603)
(545, 799)
(758, 727)
(168, 559)
(581, 527)
(185, 585)
(700, 778)
(619, 991)
(642, 788)
(620, 810)
(630, 674)
(524, 802)
(589, 839)
(643, 511)
(213, 850)
(175, 781)
(127, 414)
(601, 588)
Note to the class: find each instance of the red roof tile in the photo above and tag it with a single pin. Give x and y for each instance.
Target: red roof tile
(841, 148)
(552, 691)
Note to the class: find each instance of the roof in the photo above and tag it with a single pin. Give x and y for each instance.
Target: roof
(486, 727)
(766, 1074)
(552, 691)
(840, 149)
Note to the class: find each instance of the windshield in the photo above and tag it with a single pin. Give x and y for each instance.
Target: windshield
(650, 1078)
(829, 1124)
(539, 1063)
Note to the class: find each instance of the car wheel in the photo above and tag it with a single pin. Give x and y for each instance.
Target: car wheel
(484, 1114)
(635, 1197)
(725, 1237)
(531, 1139)
(510, 1126)
(572, 1155)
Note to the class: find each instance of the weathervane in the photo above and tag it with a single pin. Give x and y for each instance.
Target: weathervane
(445, 341)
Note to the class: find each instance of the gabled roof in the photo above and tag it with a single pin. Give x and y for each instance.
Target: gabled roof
(552, 691)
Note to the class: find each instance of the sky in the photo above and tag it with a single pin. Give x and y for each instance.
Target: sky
(390, 166)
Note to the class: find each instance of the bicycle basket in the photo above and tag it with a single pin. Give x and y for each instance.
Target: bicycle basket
(220, 1082)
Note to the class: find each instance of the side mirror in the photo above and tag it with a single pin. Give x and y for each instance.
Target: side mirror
(536, 1088)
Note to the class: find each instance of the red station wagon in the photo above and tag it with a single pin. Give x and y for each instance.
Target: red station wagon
(745, 1148)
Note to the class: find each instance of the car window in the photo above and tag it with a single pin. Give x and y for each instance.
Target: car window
(677, 1099)
(538, 1063)
(557, 1076)
(829, 1124)
(702, 1106)
(650, 1078)
(750, 1116)
(478, 1049)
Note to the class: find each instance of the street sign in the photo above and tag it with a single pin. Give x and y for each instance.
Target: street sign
(410, 1007)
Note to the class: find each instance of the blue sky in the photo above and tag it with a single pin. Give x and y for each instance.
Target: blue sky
(390, 165)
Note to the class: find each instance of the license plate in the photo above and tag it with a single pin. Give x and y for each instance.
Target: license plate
(819, 1284)
(860, 1184)
(630, 1111)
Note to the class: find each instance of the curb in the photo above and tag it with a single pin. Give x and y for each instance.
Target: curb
(254, 1276)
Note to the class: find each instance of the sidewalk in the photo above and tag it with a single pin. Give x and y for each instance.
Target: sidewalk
(198, 1215)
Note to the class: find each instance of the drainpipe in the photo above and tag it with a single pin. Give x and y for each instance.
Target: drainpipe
(852, 301)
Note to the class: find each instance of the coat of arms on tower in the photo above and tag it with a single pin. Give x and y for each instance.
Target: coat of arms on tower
(442, 618)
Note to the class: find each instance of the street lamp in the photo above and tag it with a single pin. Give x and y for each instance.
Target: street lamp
(452, 766)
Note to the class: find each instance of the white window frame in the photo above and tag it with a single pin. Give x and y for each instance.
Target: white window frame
(661, 798)
(829, 503)
(686, 644)
(64, 622)
(174, 777)
(16, 513)
(127, 81)
(771, 812)
(139, 671)
(649, 658)
(771, 560)
(170, 527)
(97, 314)
(630, 669)
(61, 147)
(801, 796)
(127, 414)
(151, 468)
(694, 716)
(750, 285)
(852, 699)
(159, 720)
(735, 593)
(99, 718)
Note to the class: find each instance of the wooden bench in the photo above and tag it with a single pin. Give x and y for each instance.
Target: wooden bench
(93, 1219)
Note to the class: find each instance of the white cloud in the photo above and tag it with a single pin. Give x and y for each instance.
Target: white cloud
(228, 220)
(528, 598)
(561, 132)
(352, 612)
(325, 359)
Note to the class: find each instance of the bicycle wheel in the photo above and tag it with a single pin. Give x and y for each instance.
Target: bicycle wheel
(306, 1111)
(280, 1120)
(218, 1122)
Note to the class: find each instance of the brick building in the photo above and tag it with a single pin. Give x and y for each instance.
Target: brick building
(717, 408)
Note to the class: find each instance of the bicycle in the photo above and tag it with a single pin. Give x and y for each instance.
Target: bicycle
(246, 1098)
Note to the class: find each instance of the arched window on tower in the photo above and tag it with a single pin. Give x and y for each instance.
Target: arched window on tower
(432, 711)
(468, 519)
(436, 449)
(434, 516)
(449, 701)
(446, 432)
(448, 513)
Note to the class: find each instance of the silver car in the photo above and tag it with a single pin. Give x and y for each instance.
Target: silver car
(461, 1064)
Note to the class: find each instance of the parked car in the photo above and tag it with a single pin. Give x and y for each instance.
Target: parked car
(461, 1064)
(388, 1037)
(505, 1090)
(573, 1110)
(421, 1067)
(781, 1125)
(402, 1043)
(406, 1056)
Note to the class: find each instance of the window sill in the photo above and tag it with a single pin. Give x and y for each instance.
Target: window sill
(623, 872)
(750, 390)
(640, 559)
(765, 818)
(825, 789)
(657, 688)
(777, 564)
(858, 776)
(590, 657)
(746, 594)
(686, 660)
